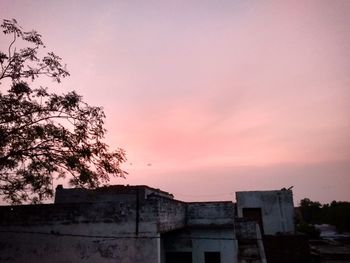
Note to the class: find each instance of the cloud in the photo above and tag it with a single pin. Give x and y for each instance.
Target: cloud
(196, 84)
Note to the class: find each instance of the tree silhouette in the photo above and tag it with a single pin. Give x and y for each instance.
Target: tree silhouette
(335, 213)
(43, 135)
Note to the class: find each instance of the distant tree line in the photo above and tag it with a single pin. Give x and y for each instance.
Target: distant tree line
(334, 213)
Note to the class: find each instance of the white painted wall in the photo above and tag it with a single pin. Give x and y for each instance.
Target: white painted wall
(210, 228)
(199, 241)
(276, 206)
(219, 240)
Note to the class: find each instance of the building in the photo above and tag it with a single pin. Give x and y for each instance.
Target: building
(129, 224)
(272, 210)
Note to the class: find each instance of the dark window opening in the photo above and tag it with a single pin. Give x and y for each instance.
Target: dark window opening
(254, 214)
(212, 257)
(178, 257)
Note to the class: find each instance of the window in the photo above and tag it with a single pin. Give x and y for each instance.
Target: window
(178, 257)
(212, 257)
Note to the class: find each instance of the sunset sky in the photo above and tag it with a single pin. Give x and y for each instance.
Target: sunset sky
(211, 97)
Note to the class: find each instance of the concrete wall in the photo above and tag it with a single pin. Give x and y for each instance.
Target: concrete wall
(276, 206)
(37, 244)
(247, 230)
(210, 213)
(198, 241)
(118, 228)
(171, 214)
(134, 225)
(250, 243)
(127, 231)
(107, 194)
(209, 228)
(89, 232)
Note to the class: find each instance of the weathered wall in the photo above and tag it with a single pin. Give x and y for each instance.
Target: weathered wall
(95, 232)
(247, 230)
(198, 241)
(107, 194)
(126, 229)
(171, 214)
(210, 213)
(38, 245)
(250, 243)
(276, 206)
(209, 228)
(131, 227)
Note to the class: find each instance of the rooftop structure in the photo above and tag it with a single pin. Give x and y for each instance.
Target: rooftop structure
(134, 224)
(272, 210)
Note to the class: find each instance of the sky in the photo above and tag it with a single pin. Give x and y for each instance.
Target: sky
(211, 97)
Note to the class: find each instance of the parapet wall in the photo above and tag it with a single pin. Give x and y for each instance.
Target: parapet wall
(210, 214)
(87, 232)
(50, 214)
(171, 214)
(114, 193)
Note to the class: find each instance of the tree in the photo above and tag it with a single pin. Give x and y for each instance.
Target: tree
(310, 210)
(43, 135)
(335, 213)
(306, 202)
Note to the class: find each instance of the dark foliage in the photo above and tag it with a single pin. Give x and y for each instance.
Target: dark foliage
(43, 135)
(310, 210)
(335, 213)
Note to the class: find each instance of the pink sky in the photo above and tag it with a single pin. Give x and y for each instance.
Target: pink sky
(212, 97)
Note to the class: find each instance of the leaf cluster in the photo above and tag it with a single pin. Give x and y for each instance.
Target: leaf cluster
(43, 135)
(25, 63)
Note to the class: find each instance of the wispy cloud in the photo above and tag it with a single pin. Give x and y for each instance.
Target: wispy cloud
(203, 85)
